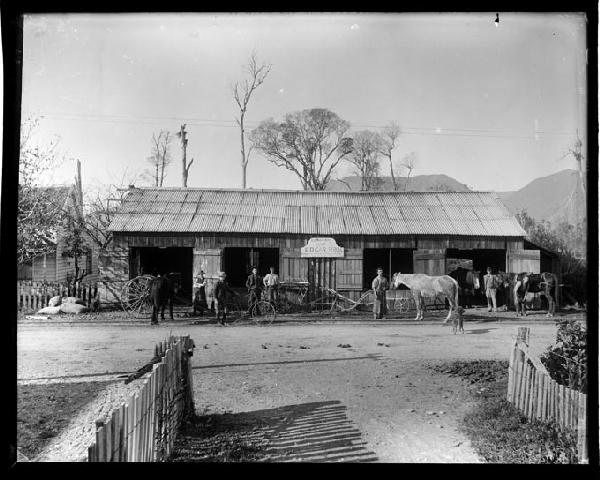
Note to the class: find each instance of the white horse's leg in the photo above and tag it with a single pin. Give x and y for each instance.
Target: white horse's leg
(418, 305)
(451, 302)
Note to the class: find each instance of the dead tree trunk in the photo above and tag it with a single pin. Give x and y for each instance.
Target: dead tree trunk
(185, 167)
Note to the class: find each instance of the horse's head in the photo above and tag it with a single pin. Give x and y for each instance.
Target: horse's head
(397, 280)
(504, 279)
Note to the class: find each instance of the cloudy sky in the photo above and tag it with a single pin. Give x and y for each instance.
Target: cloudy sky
(493, 107)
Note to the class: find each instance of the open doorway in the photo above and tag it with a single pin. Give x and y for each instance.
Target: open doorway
(150, 260)
(479, 260)
(238, 262)
(392, 260)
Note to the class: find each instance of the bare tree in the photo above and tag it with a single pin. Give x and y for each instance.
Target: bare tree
(160, 156)
(101, 205)
(182, 134)
(309, 143)
(242, 91)
(409, 162)
(389, 136)
(366, 148)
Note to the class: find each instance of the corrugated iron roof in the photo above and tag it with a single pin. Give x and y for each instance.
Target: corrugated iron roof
(315, 213)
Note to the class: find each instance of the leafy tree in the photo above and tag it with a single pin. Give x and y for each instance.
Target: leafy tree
(568, 242)
(39, 209)
(310, 143)
(366, 148)
(566, 360)
(75, 242)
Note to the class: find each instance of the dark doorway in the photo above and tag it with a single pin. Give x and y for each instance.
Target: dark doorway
(147, 260)
(481, 259)
(238, 262)
(392, 260)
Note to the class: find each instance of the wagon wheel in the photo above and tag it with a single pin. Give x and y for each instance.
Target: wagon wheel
(263, 313)
(135, 296)
(405, 304)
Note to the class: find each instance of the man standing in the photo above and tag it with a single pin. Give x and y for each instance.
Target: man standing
(379, 285)
(220, 295)
(254, 285)
(271, 282)
(200, 294)
(490, 285)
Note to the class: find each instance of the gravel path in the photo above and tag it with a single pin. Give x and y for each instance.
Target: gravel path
(71, 445)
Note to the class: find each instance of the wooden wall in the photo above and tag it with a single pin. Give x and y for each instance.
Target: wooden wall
(429, 258)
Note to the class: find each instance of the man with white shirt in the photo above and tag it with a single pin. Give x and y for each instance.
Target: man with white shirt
(271, 283)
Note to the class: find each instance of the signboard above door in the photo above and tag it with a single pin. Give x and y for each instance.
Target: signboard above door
(321, 247)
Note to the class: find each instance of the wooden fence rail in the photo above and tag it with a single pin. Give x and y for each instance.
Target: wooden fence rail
(144, 429)
(537, 396)
(32, 296)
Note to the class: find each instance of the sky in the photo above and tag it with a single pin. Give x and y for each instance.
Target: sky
(492, 106)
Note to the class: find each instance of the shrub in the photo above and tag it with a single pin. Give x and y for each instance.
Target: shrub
(566, 360)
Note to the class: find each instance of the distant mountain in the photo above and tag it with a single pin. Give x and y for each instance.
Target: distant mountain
(418, 183)
(555, 198)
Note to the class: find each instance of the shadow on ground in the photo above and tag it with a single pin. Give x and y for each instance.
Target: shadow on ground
(308, 432)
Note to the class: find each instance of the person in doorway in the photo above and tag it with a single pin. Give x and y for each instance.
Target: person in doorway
(379, 286)
(254, 285)
(271, 282)
(200, 294)
(490, 285)
(221, 292)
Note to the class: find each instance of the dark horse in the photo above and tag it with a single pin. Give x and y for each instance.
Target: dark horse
(468, 284)
(543, 283)
(504, 282)
(162, 291)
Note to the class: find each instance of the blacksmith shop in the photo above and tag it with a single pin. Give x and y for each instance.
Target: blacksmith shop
(329, 239)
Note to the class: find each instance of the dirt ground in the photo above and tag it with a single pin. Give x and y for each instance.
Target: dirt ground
(327, 391)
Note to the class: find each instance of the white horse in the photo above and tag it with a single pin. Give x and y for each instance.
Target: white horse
(422, 285)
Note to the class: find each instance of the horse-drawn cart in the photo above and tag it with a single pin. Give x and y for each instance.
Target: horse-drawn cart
(135, 294)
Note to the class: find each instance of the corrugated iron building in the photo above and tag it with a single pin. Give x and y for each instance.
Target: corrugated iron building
(193, 229)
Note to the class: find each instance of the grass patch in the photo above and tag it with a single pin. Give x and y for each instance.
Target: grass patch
(497, 430)
(44, 410)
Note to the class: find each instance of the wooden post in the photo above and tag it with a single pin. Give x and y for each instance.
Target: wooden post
(116, 434)
(582, 451)
(540, 395)
(100, 445)
(523, 335)
(511, 374)
(123, 434)
(131, 428)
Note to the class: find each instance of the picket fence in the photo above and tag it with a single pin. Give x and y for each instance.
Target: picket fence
(32, 296)
(537, 396)
(144, 429)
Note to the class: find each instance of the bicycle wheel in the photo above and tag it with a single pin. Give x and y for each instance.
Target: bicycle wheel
(263, 313)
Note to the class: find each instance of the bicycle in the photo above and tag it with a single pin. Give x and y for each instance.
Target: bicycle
(261, 312)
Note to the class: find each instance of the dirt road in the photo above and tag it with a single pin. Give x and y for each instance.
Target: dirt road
(375, 393)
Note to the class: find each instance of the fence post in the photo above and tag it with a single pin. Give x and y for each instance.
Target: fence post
(523, 335)
(582, 452)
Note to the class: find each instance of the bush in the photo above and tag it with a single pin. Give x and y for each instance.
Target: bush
(566, 360)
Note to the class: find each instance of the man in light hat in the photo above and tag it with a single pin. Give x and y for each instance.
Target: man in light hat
(220, 296)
